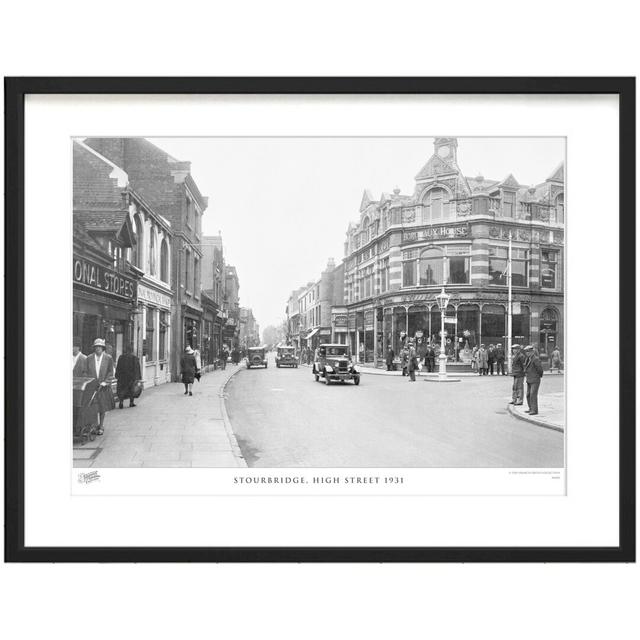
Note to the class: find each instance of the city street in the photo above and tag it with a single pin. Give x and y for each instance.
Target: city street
(283, 418)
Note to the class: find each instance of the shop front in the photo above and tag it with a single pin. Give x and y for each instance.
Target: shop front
(154, 334)
(103, 306)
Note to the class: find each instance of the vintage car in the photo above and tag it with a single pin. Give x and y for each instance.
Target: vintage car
(333, 362)
(256, 357)
(286, 357)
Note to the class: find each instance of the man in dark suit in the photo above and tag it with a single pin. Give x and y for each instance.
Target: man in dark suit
(99, 365)
(499, 355)
(127, 374)
(533, 372)
(79, 361)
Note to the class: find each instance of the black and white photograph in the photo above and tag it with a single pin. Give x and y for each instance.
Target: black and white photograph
(318, 302)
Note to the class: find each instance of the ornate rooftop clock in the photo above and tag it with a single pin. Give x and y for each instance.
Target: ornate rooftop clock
(447, 149)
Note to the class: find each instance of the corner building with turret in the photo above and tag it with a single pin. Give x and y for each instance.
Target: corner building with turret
(455, 229)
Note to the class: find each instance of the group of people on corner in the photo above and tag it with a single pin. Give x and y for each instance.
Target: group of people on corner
(483, 360)
(410, 359)
(525, 363)
(99, 365)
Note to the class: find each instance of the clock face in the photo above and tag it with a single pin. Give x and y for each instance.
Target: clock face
(443, 152)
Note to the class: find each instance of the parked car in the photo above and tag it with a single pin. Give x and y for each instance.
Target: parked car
(256, 357)
(333, 362)
(286, 357)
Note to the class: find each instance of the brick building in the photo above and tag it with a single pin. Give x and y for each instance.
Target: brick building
(167, 186)
(122, 290)
(455, 229)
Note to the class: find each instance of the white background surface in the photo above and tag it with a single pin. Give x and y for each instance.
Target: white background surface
(321, 601)
(54, 517)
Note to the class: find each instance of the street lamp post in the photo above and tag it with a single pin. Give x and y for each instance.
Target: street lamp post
(443, 300)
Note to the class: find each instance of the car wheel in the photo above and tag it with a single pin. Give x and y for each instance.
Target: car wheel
(356, 380)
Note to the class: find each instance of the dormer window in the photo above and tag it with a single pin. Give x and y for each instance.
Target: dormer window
(436, 206)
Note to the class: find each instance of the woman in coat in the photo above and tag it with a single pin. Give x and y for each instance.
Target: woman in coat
(188, 369)
(99, 365)
(412, 362)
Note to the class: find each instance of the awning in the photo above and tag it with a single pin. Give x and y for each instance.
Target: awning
(312, 332)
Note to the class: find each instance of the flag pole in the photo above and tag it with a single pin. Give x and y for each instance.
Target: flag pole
(509, 306)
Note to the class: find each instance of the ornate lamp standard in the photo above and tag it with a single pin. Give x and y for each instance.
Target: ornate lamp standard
(443, 300)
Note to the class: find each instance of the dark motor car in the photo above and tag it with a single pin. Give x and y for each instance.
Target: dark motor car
(333, 362)
(286, 357)
(256, 357)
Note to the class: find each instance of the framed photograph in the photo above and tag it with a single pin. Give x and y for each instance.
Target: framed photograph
(320, 319)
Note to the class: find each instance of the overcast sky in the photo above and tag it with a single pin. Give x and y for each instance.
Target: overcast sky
(283, 205)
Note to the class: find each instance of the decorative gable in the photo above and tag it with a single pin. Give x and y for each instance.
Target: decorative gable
(367, 199)
(435, 167)
(510, 183)
(558, 174)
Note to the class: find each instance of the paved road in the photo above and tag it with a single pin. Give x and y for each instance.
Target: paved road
(283, 418)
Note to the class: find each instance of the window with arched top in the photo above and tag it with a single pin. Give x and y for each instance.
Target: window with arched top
(436, 206)
(152, 251)
(164, 261)
(136, 253)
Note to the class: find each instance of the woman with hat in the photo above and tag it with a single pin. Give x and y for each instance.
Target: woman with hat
(188, 369)
(100, 366)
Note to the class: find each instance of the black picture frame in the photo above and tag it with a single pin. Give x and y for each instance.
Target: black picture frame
(15, 91)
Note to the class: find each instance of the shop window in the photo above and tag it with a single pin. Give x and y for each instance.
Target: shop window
(162, 347)
(498, 262)
(493, 324)
(148, 343)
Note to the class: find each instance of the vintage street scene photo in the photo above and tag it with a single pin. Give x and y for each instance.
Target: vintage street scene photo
(320, 302)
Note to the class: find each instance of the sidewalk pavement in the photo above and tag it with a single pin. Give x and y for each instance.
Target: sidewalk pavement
(370, 369)
(168, 429)
(550, 411)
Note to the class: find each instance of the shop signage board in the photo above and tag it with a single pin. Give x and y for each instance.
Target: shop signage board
(154, 297)
(94, 277)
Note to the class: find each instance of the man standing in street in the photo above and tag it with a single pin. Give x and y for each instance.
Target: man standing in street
(517, 370)
(430, 358)
(491, 358)
(499, 354)
(533, 372)
(390, 356)
(482, 361)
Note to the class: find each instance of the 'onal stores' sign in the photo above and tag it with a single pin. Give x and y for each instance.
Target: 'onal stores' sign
(97, 278)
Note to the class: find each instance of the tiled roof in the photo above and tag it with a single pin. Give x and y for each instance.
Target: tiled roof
(102, 220)
(93, 184)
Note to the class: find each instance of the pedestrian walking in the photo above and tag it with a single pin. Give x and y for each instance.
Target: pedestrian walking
(224, 354)
(483, 366)
(99, 365)
(127, 375)
(491, 358)
(188, 369)
(390, 358)
(79, 361)
(533, 373)
(412, 362)
(500, 356)
(517, 371)
(556, 360)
